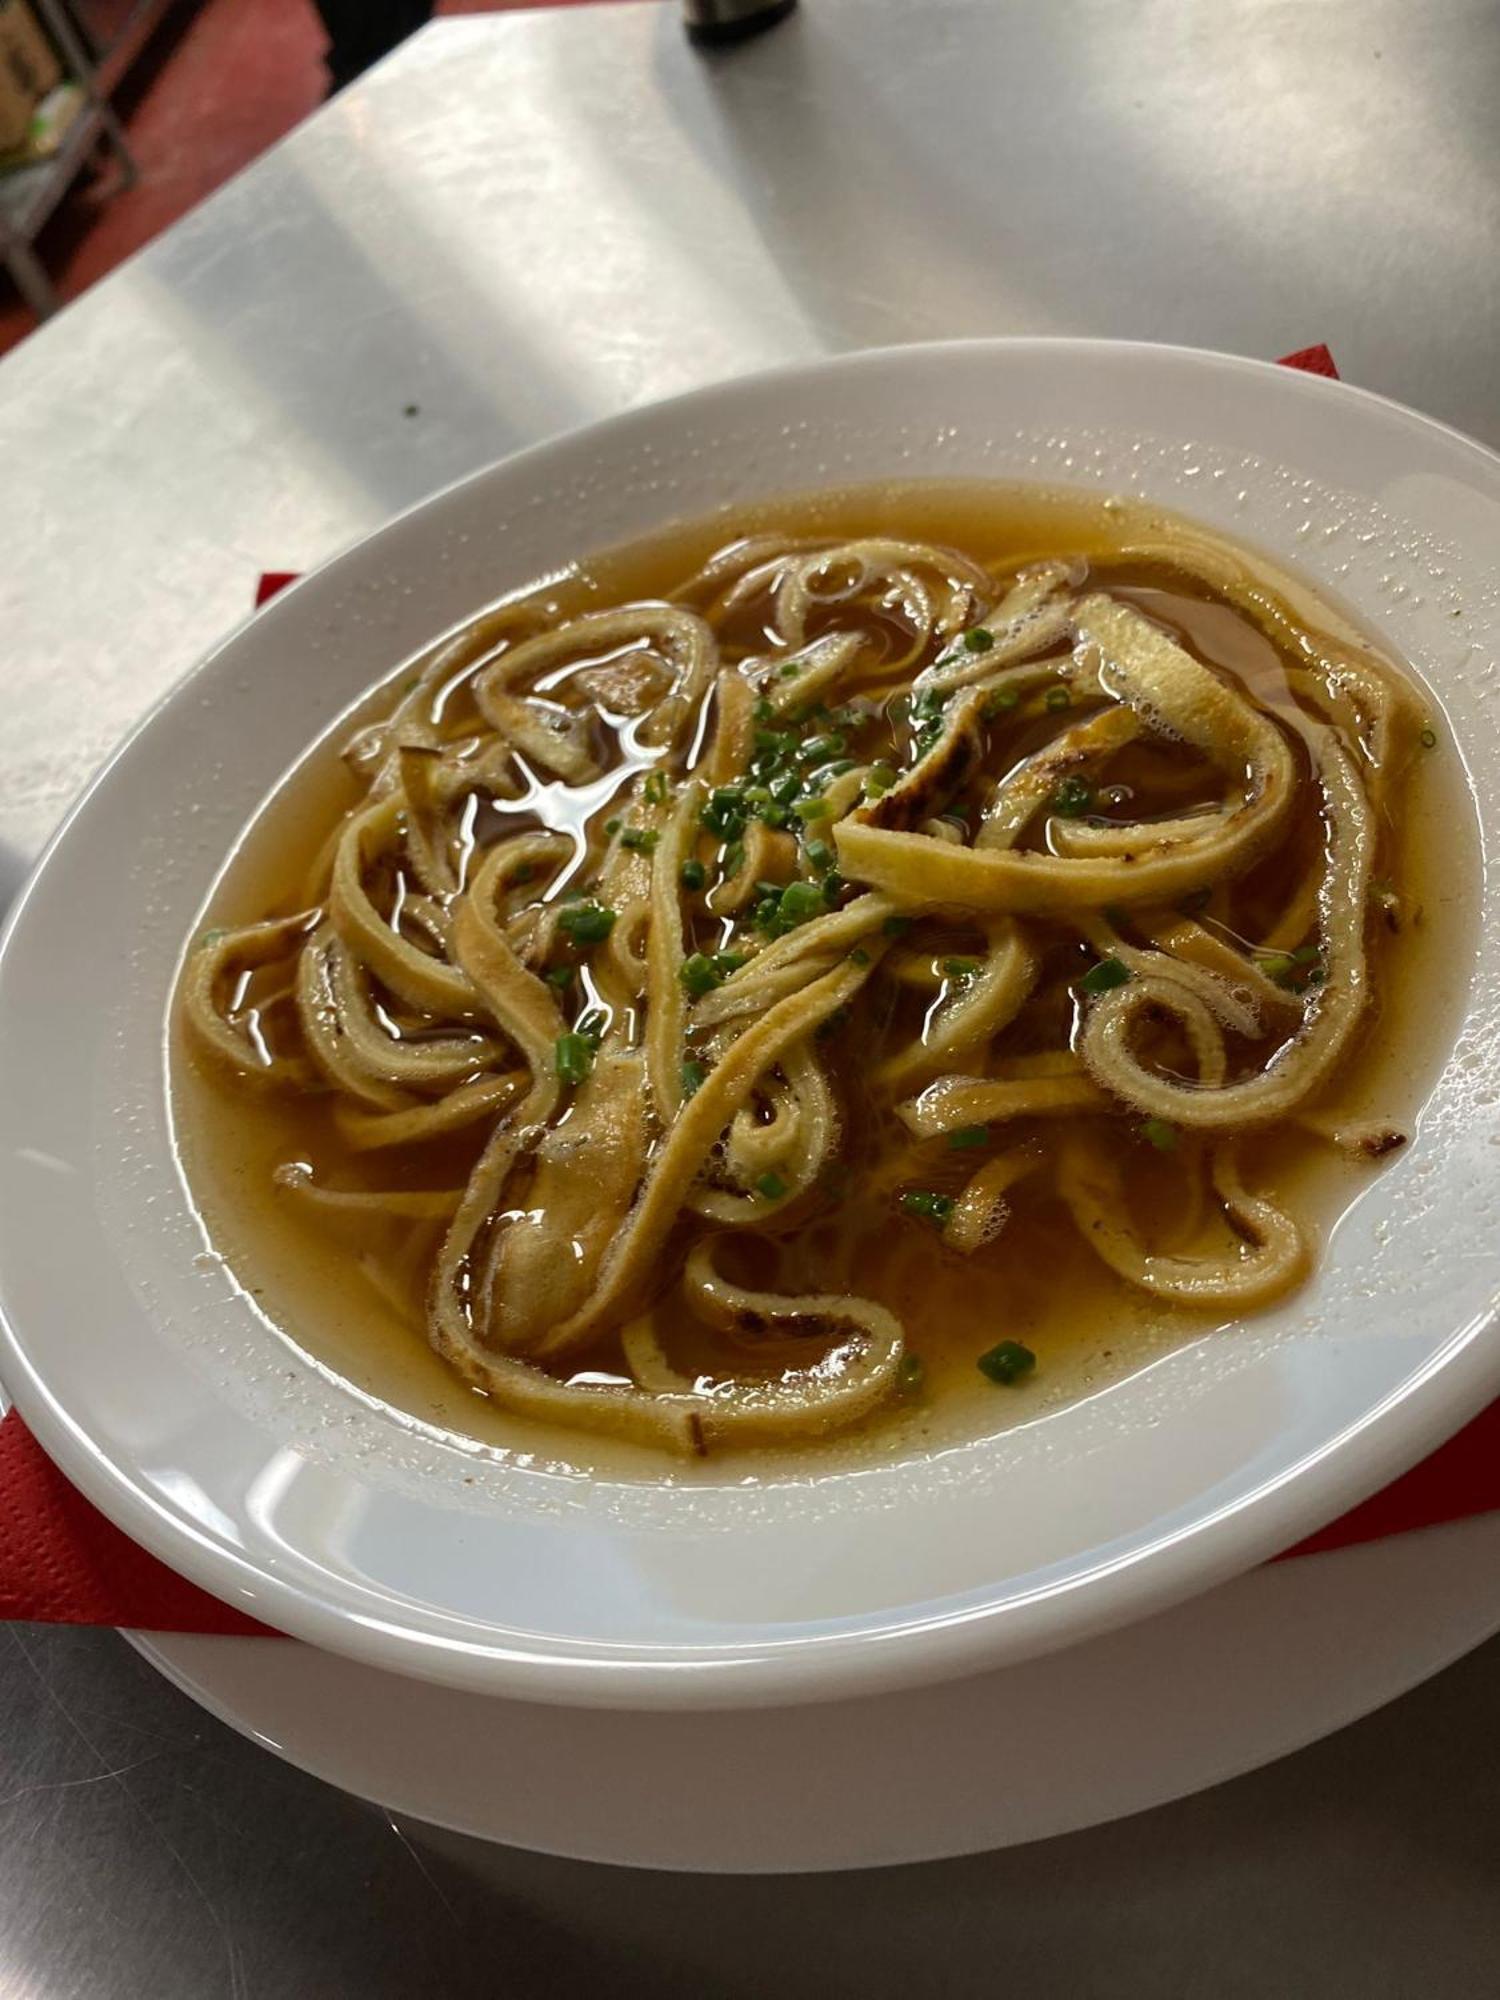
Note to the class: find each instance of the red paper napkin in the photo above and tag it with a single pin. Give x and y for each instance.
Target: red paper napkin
(62, 1562)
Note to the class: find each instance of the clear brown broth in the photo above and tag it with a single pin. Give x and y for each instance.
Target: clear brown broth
(352, 1299)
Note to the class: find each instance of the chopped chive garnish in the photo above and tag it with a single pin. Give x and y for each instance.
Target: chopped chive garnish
(587, 923)
(763, 711)
(591, 1024)
(612, 826)
(726, 962)
(790, 671)
(733, 858)
(879, 779)
(1104, 976)
(1072, 798)
(1008, 1363)
(1294, 969)
(1428, 739)
(640, 839)
(820, 856)
(928, 1204)
(896, 926)
(999, 700)
(960, 968)
(726, 811)
(694, 1075)
(575, 1057)
(1058, 698)
(655, 788)
(859, 956)
(692, 875)
(968, 1136)
(560, 975)
(799, 901)
(820, 749)
(978, 640)
(833, 887)
(811, 808)
(699, 974)
(1158, 1133)
(772, 1186)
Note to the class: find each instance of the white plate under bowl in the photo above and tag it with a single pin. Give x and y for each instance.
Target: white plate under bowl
(157, 1387)
(1238, 1676)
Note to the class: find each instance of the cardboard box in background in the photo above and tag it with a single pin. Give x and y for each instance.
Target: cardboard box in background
(28, 70)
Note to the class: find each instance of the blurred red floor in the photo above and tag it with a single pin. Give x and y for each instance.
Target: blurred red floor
(211, 94)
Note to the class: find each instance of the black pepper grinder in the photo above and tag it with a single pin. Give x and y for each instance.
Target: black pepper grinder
(712, 23)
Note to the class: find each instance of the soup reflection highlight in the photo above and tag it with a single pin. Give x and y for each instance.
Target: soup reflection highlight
(688, 996)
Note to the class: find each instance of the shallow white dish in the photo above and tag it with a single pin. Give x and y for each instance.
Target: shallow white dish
(1243, 1674)
(159, 1390)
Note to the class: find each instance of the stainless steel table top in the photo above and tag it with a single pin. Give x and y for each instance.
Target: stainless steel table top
(517, 224)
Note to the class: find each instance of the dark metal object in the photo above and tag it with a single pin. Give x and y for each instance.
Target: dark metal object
(713, 23)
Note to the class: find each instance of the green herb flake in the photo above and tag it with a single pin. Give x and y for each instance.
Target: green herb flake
(1072, 799)
(859, 956)
(1058, 698)
(967, 1137)
(799, 901)
(763, 711)
(640, 839)
(211, 938)
(790, 671)
(612, 826)
(692, 875)
(1007, 1363)
(833, 887)
(999, 700)
(559, 976)
(927, 1204)
(978, 640)
(732, 860)
(910, 1374)
(1428, 739)
(879, 779)
(811, 808)
(699, 974)
(1105, 976)
(960, 968)
(587, 923)
(896, 926)
(654, 790)
(1158, 1133)
(772, 1186)
(575, 1057)
(694, 1075)
(820, 856)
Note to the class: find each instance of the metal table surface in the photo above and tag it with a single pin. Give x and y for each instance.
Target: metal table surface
(517, 224)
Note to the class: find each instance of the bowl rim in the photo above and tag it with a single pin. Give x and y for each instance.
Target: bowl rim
(1454, 1382)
